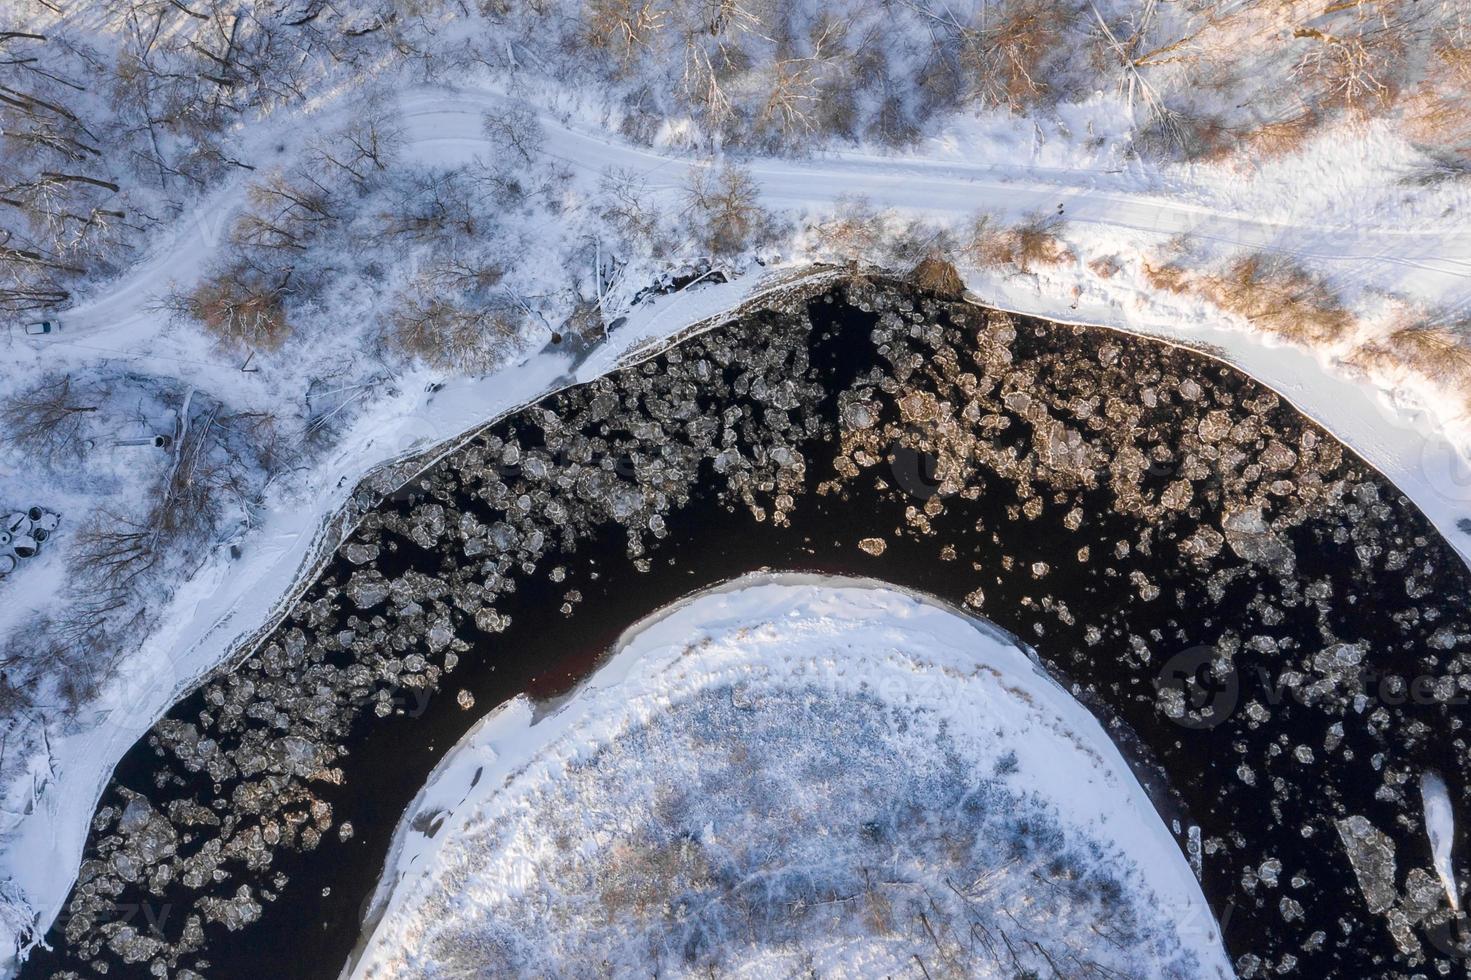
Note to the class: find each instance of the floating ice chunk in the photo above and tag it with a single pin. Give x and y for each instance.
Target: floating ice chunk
(1440, 825)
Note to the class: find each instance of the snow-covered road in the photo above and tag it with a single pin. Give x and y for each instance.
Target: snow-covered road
(446, 126)
(1124, 209)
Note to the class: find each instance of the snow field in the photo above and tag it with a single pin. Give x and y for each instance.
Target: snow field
(783, 773)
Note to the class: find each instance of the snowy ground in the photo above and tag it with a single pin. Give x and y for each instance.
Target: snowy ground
(783, 773)
(1339, 212)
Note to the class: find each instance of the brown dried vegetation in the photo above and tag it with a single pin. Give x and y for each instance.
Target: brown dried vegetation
(1277, 294)
(1439, 352)
(937, 275)
(1033, 242)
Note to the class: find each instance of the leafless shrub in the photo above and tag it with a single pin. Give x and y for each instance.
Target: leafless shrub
(1202, 137)
(586, 322)
(853, 233)
(892, 123)
(241, 305)
(911, 242)
(1438, 113)
(14, 697)
(722, 209)
(1280, 137)
(837, 107)
(1171, 277)
(1276, 294)
(1105, 266)
(47, 421)
(1437, 351)
(1439, 120)
(984, 243)
(624, 203)
(1037, 241)
(206, 475)
(462, 274)
(1034, 241)
(1439, 167)
(220, 462)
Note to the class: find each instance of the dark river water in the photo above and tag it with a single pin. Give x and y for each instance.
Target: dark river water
(1041, 543)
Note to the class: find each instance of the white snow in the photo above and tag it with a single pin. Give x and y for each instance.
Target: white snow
(1336, 210)
(833, 695)
(1440, 825)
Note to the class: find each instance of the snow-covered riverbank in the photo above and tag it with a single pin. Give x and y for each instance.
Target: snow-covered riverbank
(219, 611)
(811, 659)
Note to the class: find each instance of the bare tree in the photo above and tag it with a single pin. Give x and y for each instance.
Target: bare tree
(451, 333)
(111, 552)
(59, 216)
(515, 130)
(623, 27)
(364, 150)
(437, 206)
(722, 209)
(1007, 51)
(47, 421)
(241, 305)
(624, 203)
(286, 212)
(1355, 59)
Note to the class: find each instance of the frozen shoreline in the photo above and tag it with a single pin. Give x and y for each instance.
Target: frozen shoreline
(901, 647)
(219, 613)
(227, 602)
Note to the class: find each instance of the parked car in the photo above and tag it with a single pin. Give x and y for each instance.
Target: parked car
(40, 328)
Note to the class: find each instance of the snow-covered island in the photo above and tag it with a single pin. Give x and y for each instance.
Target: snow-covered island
(792, 774)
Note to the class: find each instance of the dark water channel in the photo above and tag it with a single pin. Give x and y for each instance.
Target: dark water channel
(1360, 567)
